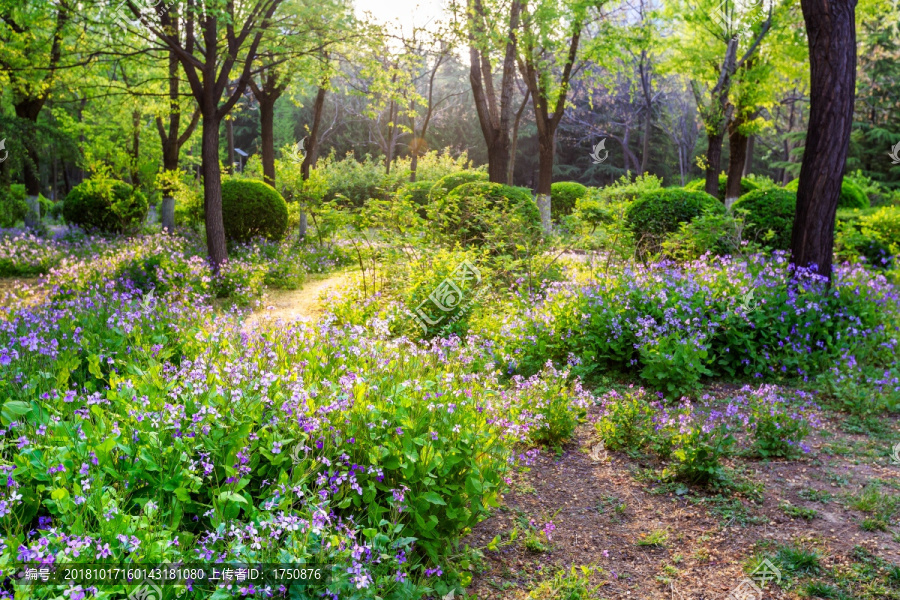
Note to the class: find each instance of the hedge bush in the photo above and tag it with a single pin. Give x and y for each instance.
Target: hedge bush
(699, 185)
(252, 208)
(448, 183)
(420, 194)
(563, 196)
(656, 214)
(872, 233)
(496, 216)
(852, 196)
(13, 206)
(105, 205)
(769, 210)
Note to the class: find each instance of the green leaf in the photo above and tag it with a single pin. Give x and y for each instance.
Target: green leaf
(434, 498)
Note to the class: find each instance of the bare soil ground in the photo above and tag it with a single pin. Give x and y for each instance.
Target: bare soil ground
(608, 507)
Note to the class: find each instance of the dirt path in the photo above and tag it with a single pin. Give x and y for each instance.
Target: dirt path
(603, 506)
(305, 303)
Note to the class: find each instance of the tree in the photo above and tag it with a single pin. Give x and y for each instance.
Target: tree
(32, 34)
(217, 37)
(831, 31)
(493, 112)
(716, 41)
(542, 53)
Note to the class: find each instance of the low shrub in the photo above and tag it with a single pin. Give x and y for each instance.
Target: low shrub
(355, 180)
(13, 206)
(747, 185)
(654, 215)
(779, 422)
(105, 205)
(725, 316)
(769, 216)
(625, 190)
(698, 438)
(871, 233)
(852, 196)
(448, 183)
(712, 233)
(495, 216)
(563, 196)
(252, 208)
(630, 421)
(419, 192)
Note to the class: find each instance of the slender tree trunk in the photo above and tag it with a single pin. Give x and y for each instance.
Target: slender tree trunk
(267, 138)
(737, 159)
(212, 193)
(514, 139)
(713, 163)
(229, 140)
(135, 146)
(831, 31)
(312, 148)
(546, 152)
(645, 151)
(748, 162)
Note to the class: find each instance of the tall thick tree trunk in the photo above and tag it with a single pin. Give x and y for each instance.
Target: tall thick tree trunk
(737, 158)
(212, 192)
(831, 31)
(267, 138)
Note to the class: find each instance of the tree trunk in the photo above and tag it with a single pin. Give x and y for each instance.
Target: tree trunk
(312, 149)
(267, 138)
(167, 214)
(514, 139)
(737, 144)
(212, 193)
(645, 151)
(312, 144)
(413, 164)
(229, 140)
(831, 31)
(135, 146)
(546, 152)
(713, 163)
(748, 162)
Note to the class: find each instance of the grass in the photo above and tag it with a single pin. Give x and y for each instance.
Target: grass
(799, 512)
(574, 584)
(798, 560)
(655, 539)
(813, 495)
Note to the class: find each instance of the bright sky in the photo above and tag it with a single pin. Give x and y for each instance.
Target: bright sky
(405, 12)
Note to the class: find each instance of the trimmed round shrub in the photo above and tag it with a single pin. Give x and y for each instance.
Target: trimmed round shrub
(769, 210)
(488, 214)
(13, 206)
(448, 183)
(654, 215)
(852, 196)
(252, 208)
(699, 185)
(420, 194)
(105, 205)
(563, 196)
